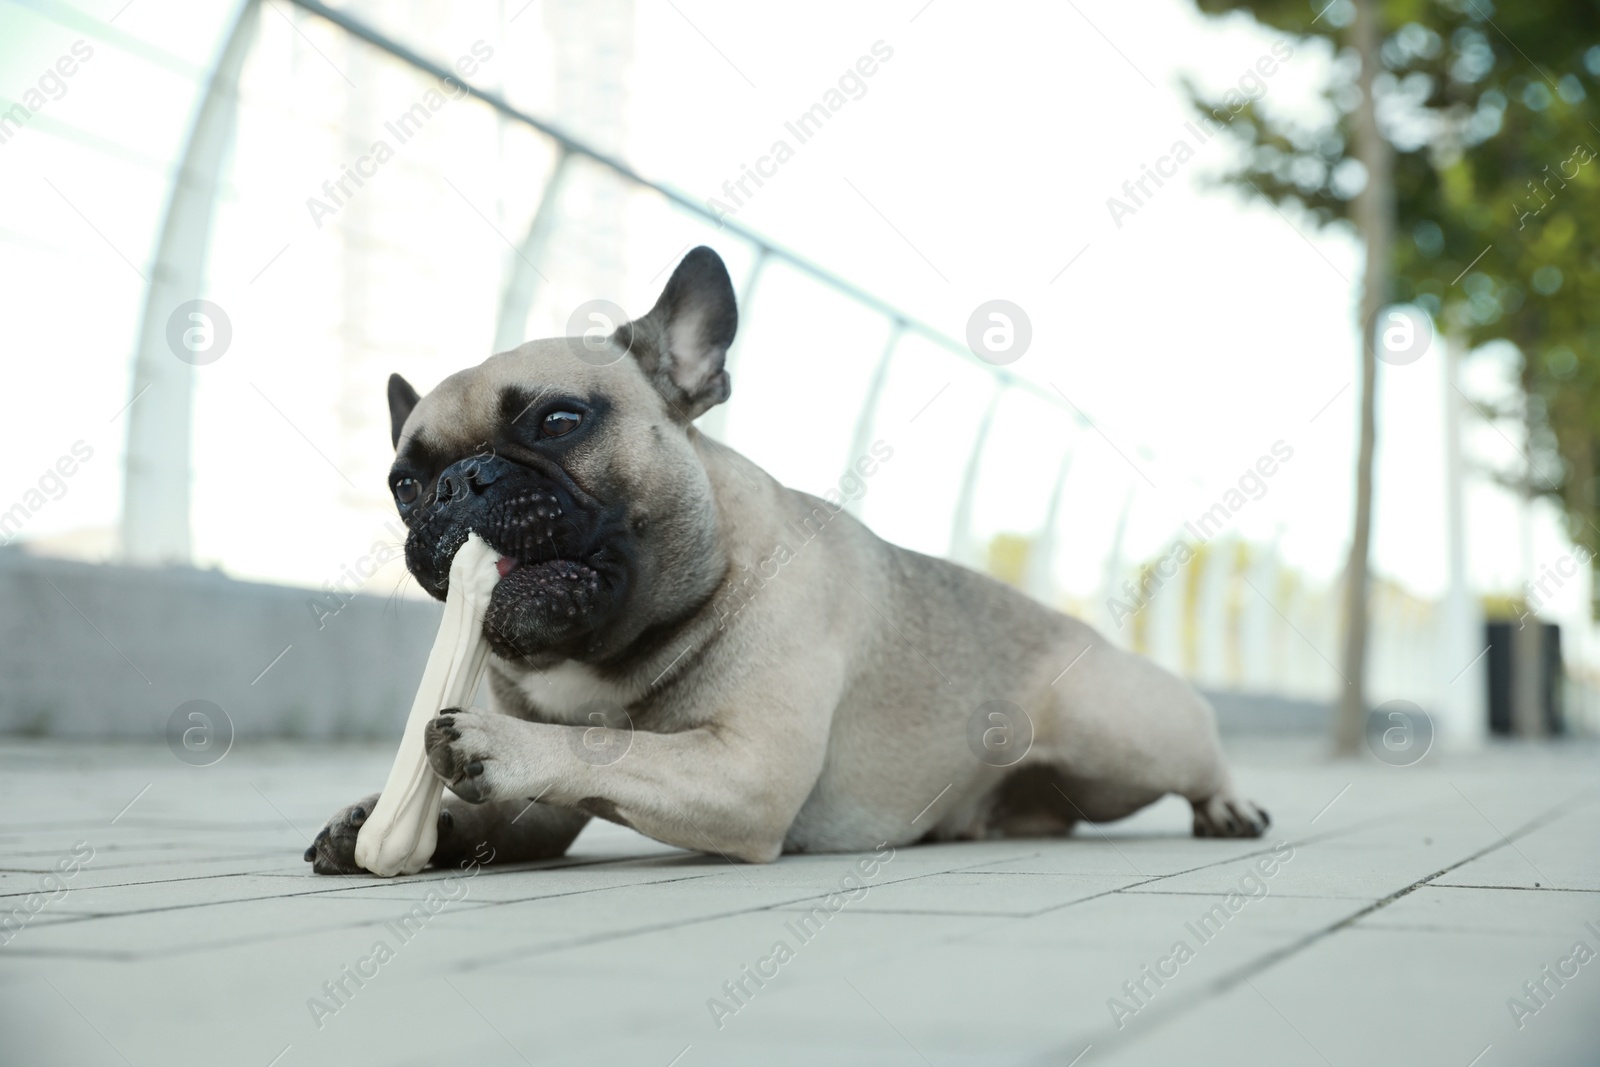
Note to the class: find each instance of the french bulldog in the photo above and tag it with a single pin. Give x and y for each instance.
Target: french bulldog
(684, 646)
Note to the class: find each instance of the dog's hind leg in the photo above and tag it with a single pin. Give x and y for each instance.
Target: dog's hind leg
(1029, 802)
(1128, 732)
(507, 831)
(504, 831)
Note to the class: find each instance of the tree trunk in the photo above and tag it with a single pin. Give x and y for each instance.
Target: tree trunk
(1373, 212)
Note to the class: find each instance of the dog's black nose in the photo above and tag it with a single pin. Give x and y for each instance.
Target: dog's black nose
(467, 477)
(452, 485)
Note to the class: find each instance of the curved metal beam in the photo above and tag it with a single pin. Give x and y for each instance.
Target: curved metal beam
(1114, 561)
(961, 548)
(154, 526)
(861, 440)
(516, 300)
(1044, 546)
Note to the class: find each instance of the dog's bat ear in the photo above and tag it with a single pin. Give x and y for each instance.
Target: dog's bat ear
(402, 398)
(683, 342)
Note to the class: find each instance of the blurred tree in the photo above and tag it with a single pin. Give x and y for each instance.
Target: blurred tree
(1464, 129)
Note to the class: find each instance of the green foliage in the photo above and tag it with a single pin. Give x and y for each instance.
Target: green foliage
(1497, 166)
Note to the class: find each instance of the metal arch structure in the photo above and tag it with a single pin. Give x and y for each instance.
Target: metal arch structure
(155, 518)
(156, 498)
(154, 526)
(766, 247)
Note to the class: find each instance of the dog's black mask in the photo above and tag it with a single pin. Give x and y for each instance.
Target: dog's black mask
(565, 555)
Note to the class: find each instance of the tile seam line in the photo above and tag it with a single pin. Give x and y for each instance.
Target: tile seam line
(774, 907)
(271, 872)
(348, 889)
(558, 947)
(481, 905)
(1222, 984)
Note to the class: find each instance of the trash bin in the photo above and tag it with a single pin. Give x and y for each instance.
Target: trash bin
(1525, 678)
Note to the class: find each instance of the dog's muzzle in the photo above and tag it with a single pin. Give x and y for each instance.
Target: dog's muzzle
(563, 559)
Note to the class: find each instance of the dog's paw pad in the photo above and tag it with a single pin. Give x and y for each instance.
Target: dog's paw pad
(456, 743)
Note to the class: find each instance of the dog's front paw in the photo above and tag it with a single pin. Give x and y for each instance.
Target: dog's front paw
(1228, 816)
(333, 851)
(462, 747)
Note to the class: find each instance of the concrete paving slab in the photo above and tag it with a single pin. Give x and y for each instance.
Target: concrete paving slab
(1403, 997)
(1417, 902)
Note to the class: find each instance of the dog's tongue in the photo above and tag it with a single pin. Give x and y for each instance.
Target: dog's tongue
(505, 565)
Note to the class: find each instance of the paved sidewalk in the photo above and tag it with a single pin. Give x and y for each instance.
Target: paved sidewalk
(1404, 909)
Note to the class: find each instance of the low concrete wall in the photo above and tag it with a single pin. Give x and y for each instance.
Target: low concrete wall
(1244, 714)
(111, 652)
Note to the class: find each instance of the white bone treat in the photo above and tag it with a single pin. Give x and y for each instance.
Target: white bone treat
(400, 834)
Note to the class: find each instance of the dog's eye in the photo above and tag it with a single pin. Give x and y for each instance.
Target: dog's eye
(561, 422)
(406, 490)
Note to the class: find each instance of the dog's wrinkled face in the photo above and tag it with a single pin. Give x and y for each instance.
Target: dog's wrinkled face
(578, 467)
